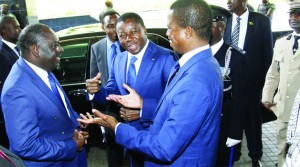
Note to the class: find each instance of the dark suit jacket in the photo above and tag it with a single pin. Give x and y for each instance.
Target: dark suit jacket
(152, 77)
(259, 48)
(98, 61)
(40, 130)
(7, 58)
(234, 102)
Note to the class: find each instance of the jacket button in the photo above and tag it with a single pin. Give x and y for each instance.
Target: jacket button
(62, 132)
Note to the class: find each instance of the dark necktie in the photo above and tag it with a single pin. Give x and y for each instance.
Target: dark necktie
(131, 76)
(173, 72)
(54, 88)
(295, 46)
(18, 50)
(236, 33)
(113, 53)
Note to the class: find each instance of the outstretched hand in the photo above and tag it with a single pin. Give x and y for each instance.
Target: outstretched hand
(132, 100)
(101, 119)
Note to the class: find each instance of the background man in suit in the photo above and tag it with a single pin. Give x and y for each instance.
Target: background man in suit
(234, 69)
(42, 125)
(9, 31)
(284, 75)
(152, 67)
(185, 130)
(102, 55)
(254, 36)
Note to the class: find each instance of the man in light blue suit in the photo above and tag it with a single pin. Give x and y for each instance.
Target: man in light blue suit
(152, 67)
(41, 124)
(186, 126)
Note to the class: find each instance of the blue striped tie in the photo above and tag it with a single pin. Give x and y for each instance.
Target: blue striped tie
(131, 76)
(236, 33)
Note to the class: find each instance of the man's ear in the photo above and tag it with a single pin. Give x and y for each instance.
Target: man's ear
(188, 31)
(35, 50)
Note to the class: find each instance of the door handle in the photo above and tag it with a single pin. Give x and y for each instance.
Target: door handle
(78, 92)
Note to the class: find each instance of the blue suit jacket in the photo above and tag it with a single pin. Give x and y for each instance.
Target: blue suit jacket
(38, 126)
(185, 130)
(150, 83)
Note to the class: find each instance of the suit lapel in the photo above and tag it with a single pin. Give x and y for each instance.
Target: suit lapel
(36, 80)
(182, 71)
(10, 51)
(250, 29)
(147, 63)
(121, 70)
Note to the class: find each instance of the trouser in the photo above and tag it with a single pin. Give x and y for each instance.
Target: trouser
(115, 153)
(253, 129)
(281, 140)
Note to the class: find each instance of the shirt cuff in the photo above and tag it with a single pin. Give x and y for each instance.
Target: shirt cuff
(91, 96)
(117, 127)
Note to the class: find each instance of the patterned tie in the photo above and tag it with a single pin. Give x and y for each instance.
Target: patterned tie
(18, 50)
(173, 72)
(131, 76)
(54, 88)
(295, 46)
(236, 33)
(113, 53)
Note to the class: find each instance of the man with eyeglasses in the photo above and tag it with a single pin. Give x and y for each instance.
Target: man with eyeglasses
(284, 75)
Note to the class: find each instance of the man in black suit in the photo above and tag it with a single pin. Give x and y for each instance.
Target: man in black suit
(234, 67)
(9, 30)
(255, 37)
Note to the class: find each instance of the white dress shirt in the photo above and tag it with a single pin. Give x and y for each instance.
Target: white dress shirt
(44, 76)
(243, 27)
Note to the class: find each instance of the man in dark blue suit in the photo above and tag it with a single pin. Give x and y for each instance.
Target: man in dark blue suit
(9, 30)
(254, 36)
(234, 67)
(185, 130)
(42, 126)
(152, 68)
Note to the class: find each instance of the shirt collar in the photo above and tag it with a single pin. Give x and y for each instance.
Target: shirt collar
(109, 43)
(190, 54)
(243, 17)
(39, 71)
(216, 47)
(11, 45)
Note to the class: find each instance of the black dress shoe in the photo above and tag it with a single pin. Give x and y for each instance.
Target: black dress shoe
(256, 163)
